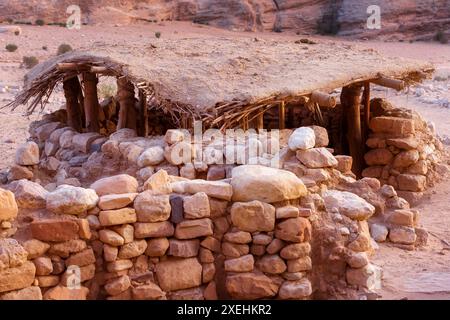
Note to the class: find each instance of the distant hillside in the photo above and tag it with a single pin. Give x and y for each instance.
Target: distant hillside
(402, 19)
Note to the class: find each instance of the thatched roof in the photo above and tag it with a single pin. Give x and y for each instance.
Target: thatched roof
(205, 77)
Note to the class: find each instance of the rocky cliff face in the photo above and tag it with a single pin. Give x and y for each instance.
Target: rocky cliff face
(405, 18)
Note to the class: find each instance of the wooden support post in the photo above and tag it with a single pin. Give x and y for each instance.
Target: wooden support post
(260, 121)
(91, 101)
(351, 102)
(143, 112)
(72, 90)
(282, 115)
(244, 123)
(125, 92)
(366, 110)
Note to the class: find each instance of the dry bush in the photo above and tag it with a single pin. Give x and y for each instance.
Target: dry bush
(63, 48)
(11, 47)
(106, 90)
(30, 62)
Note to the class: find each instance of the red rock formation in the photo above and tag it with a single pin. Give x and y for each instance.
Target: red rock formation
(410, 19)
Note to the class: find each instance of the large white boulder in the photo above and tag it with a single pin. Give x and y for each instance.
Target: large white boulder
(348, 204)
(71, 200)
(255, 182)
(302, 139)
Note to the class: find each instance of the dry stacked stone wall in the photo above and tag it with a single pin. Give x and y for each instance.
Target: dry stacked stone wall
(404, 153)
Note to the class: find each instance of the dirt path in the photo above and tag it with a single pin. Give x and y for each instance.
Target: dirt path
(424, 273)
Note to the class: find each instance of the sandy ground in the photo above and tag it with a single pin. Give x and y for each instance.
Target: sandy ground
(420, 274)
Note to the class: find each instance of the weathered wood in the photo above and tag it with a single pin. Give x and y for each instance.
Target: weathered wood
(72, 90)
(125, 92)
(323, 99)
(260, 121)
(91, 101)
(143, 112)
(351, 101)
(102, 70)
(72, 66)
(390, 83)
(282, 115)
(366, 96)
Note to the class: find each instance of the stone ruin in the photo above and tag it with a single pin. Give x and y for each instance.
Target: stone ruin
(84, 216)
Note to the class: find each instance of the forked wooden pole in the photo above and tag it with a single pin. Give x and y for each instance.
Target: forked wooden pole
(351, 101)
(282, 115)
(127, 114)
(72, 90)
(366, 109)
(91, 101)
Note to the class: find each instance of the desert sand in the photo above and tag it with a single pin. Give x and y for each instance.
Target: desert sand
(420, 274)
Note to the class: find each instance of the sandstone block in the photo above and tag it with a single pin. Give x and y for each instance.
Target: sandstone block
(117, 217)
(184, 248)
(255, 182)
(196, 206)
(153, 230)
(241, 264)
(71, 200)
(253, 216)
(118, 184)
(179, 274)
(152, 208)
(294, 230)
(27, 154)
(116, 201)
(55, 230)
(191, 229)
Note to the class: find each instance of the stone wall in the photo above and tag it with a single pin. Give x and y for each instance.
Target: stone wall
(404, 151)
(167, 228)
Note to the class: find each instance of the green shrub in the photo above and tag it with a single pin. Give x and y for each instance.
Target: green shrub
(40, 22)
(30, 62)
(64, 48)
(158, 34)
(11, 47)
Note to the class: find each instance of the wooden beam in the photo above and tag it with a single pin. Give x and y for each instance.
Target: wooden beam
(102, 70)
(366, 96)
(72, 90)
(351, 101)
(390, 83)
(91, 101)
(72, 66)
(282, 115)
(323, 99)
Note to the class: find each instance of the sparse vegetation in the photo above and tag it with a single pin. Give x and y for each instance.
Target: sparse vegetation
(441, 37)
(11, 47)
(63, 48)
(44, 48)
(40, 22)
(17, 32)
(106, 90)
(30, 61)
(158, 34)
